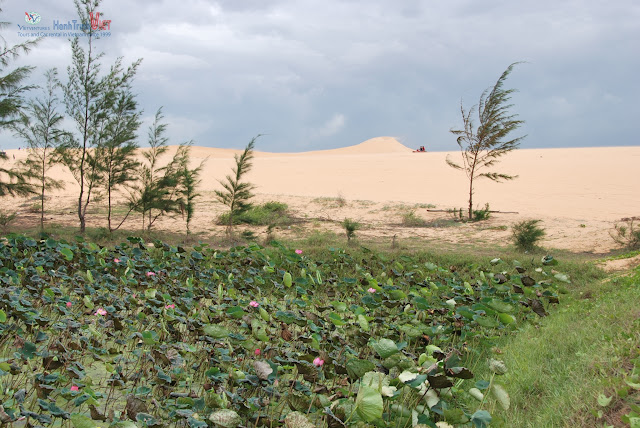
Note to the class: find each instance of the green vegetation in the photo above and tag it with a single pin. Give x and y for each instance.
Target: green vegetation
(12, 91)
(526, 234)
(100, 106)
(157, 334)
(237, 194)
(575, 368)
(627, 233)
(482, 214)
(350, 227)
(39, 127)
(410, 219)
(268, 214)
(482, 146)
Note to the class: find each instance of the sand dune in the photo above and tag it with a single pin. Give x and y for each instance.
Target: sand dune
(584, 189)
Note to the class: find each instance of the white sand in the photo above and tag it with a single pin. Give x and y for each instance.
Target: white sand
(578, 193)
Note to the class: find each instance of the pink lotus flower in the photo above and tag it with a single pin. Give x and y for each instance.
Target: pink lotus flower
(170, 306)
(69, 304)
(134, 295)
(318, 362)
(371, 290)
(100, 311)
(298, 251)
(74, 388)
(116, 260)
(257, 352)
(151, 274)
(254, 304)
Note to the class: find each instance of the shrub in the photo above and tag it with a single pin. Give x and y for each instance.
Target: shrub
(6, 218)
(410, 219)
(627, 233)
(481, 214)
(350, 227)
(268, 214)
(526, 234)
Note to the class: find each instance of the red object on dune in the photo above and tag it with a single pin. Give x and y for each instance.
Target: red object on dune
(420, 150)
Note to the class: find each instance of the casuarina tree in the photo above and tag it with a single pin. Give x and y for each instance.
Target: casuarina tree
(40, 127)
(91, 98)
(12, 91)
(481, 146)
(236, 193)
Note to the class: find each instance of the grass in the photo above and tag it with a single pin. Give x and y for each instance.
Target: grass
(558, 368)
(410, 219)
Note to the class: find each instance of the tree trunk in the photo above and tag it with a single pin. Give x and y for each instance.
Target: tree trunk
(42, 195)
(109, 210)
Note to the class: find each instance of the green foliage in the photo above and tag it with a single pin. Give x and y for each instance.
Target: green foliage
(12, 91)
(6, 218)
(526, 234)
(235, 193)
(482, 214)
(160, 190)
(410, 219)
(40, 127)
(100, 106)
(481, 147)
(268, 214)
(350, 227)
(626, 233)
(325, 340)
(188, 193)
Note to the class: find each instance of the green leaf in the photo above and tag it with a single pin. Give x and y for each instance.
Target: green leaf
(369, 404)
(3, 316)
(149, 337)
(385, 348)
(216, 331)
(500, 306)
(264, 315)
(562, 277)
(286, 279)
(79, 420)
(362, 321)
(236, 312)
(481, 419)
(357, 368)
(506, 319)
(28, 350)
(67, 253)
(603, 400)
(336, 319)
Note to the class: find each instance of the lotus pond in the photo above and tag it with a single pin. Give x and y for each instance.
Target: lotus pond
(150, 334)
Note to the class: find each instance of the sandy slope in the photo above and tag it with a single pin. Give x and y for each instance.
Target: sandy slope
(578, 193)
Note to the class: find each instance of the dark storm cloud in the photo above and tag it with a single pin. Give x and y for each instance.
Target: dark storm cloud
(324, 74)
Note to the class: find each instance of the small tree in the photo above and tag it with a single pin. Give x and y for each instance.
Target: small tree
(116, 157)
(12, 90)
(157, 193)
(482, 146)
(236, 194)
(526, 234)
(39, 127)
(189, 182)
(90, 98)
(350, 227)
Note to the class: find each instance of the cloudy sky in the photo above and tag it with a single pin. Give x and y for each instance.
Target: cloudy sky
(320, 74)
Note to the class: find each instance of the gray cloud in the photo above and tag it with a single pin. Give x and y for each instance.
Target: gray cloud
(323, 74)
